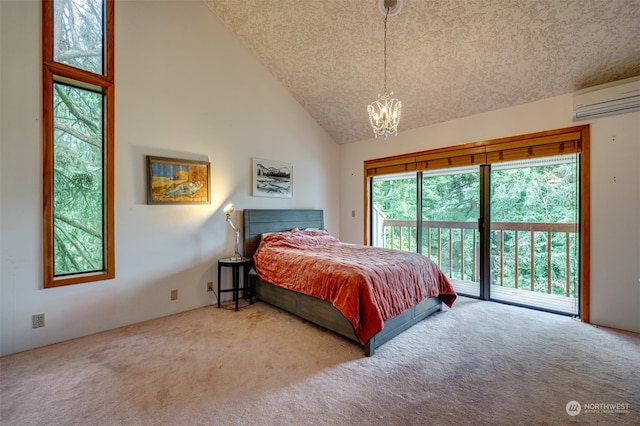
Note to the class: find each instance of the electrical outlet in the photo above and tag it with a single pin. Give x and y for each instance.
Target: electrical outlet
(38, 320)
(210, 286)
(174, 294)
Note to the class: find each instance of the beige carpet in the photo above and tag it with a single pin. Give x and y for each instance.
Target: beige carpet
(478, 363)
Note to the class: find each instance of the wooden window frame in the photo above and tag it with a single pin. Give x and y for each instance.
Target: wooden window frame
(55, 72)
(553, 142)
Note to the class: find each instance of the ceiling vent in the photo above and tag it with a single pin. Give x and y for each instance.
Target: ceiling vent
(618, 97)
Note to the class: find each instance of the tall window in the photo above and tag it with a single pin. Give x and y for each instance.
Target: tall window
(78, 141)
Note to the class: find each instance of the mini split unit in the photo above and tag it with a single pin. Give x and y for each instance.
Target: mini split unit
(618, 97)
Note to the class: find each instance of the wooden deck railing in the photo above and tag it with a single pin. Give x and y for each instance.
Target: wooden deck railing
(453, 245)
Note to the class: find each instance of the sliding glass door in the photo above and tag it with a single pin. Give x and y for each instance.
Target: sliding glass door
(534, 239)
(506, 220)
(506, 231)
(449, 202)
(450, 237)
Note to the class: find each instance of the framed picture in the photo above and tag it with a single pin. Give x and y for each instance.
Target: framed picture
(272, 179)
(175, 181)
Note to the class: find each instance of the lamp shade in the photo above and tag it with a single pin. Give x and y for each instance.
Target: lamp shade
(228, 209)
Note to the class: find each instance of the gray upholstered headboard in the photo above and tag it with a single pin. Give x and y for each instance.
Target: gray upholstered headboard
(257, 222)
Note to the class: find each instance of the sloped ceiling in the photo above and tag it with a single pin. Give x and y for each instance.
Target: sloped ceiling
(447, 58)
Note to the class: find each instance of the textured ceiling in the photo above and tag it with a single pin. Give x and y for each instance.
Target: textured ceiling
(447, 58)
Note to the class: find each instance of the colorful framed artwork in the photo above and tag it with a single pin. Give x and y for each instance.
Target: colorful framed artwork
(175, 181)
(272, 179)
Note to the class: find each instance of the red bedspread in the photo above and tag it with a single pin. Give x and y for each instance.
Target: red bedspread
(368, 285)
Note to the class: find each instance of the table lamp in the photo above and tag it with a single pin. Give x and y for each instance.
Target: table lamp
(228, 209)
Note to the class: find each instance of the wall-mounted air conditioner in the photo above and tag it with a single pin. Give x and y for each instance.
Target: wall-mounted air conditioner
(618, 97)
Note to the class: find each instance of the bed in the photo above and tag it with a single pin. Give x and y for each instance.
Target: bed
(323, 312)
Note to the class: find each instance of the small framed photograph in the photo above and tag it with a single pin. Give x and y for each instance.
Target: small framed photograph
(175, 181)
(272, 179)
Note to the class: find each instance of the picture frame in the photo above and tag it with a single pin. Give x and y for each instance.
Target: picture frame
(272, 178)
(177, 181)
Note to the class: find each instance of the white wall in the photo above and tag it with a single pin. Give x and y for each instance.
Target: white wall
(615, 190)
(187, 88)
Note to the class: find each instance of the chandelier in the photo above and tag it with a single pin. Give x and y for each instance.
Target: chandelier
(384, 113)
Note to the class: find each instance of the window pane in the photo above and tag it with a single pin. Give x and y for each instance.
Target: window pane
(78, 201)
(78, 34)
(450, 236)
(394, 215)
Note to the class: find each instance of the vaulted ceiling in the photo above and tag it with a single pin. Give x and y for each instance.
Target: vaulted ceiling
(446, 58)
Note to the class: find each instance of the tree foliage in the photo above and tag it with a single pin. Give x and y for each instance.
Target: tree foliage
(78, 34)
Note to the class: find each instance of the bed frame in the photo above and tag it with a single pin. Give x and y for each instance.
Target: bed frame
(310, 308)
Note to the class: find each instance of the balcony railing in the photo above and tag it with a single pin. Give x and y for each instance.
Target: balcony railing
(539, 257)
